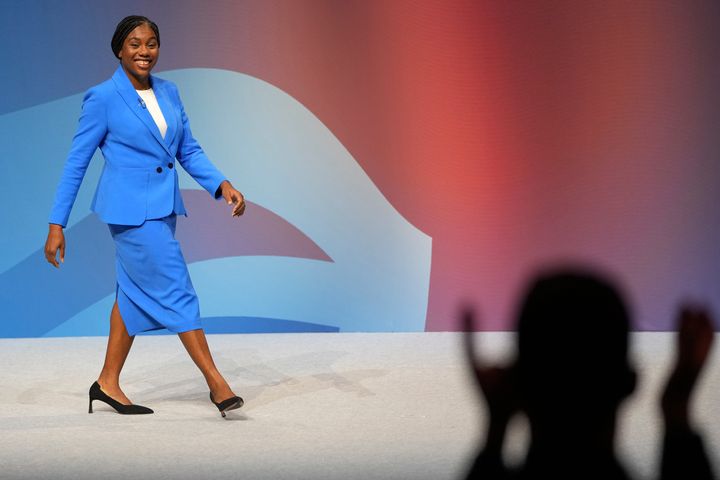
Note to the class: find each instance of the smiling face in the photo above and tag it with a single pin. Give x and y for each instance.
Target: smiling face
(139, 54)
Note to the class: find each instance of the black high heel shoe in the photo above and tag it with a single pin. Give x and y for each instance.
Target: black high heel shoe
(230, 404)
(97, 394)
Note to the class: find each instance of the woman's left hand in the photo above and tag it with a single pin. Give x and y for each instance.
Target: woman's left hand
(233, 196)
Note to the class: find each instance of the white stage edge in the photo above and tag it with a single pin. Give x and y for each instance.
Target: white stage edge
(317, 406)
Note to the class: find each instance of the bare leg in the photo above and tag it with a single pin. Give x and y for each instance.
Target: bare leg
(119, 343)
(196, 345)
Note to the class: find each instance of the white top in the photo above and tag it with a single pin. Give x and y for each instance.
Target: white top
(151, 103)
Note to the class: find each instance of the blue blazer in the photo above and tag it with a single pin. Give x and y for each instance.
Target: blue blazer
(139, 180)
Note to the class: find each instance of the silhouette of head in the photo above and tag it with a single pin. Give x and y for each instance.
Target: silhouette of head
(572, 360)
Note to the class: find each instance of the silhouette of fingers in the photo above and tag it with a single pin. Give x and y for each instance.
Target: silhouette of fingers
(497, 383)
(695, 337)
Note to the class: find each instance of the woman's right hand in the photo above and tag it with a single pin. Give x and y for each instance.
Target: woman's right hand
(55, 241)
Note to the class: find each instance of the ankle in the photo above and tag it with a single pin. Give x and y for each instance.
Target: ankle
(219, 386)
(214, 378)
(111, 383)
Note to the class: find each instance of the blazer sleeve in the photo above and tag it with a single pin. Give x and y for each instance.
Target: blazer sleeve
(91, 131)
(193, 159)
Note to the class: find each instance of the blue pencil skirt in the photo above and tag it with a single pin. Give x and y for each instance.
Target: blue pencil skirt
(153, 287)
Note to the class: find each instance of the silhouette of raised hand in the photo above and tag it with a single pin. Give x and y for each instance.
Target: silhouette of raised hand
(497, 383)
(694, 339)
(683, 452)
(499, 389)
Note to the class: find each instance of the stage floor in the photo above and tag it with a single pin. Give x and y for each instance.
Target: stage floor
(317, 406)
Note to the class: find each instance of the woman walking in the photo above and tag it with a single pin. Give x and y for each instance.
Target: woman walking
(139, 123)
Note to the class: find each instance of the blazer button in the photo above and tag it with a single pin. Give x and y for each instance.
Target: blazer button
(170, 165)
(158, 169)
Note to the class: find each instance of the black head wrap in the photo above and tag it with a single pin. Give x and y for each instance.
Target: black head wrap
(127, 25)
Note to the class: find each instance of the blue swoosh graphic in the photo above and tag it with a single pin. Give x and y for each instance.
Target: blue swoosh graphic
(284, 159)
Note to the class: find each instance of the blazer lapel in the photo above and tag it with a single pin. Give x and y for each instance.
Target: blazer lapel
(168, 112)
(133, 101)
